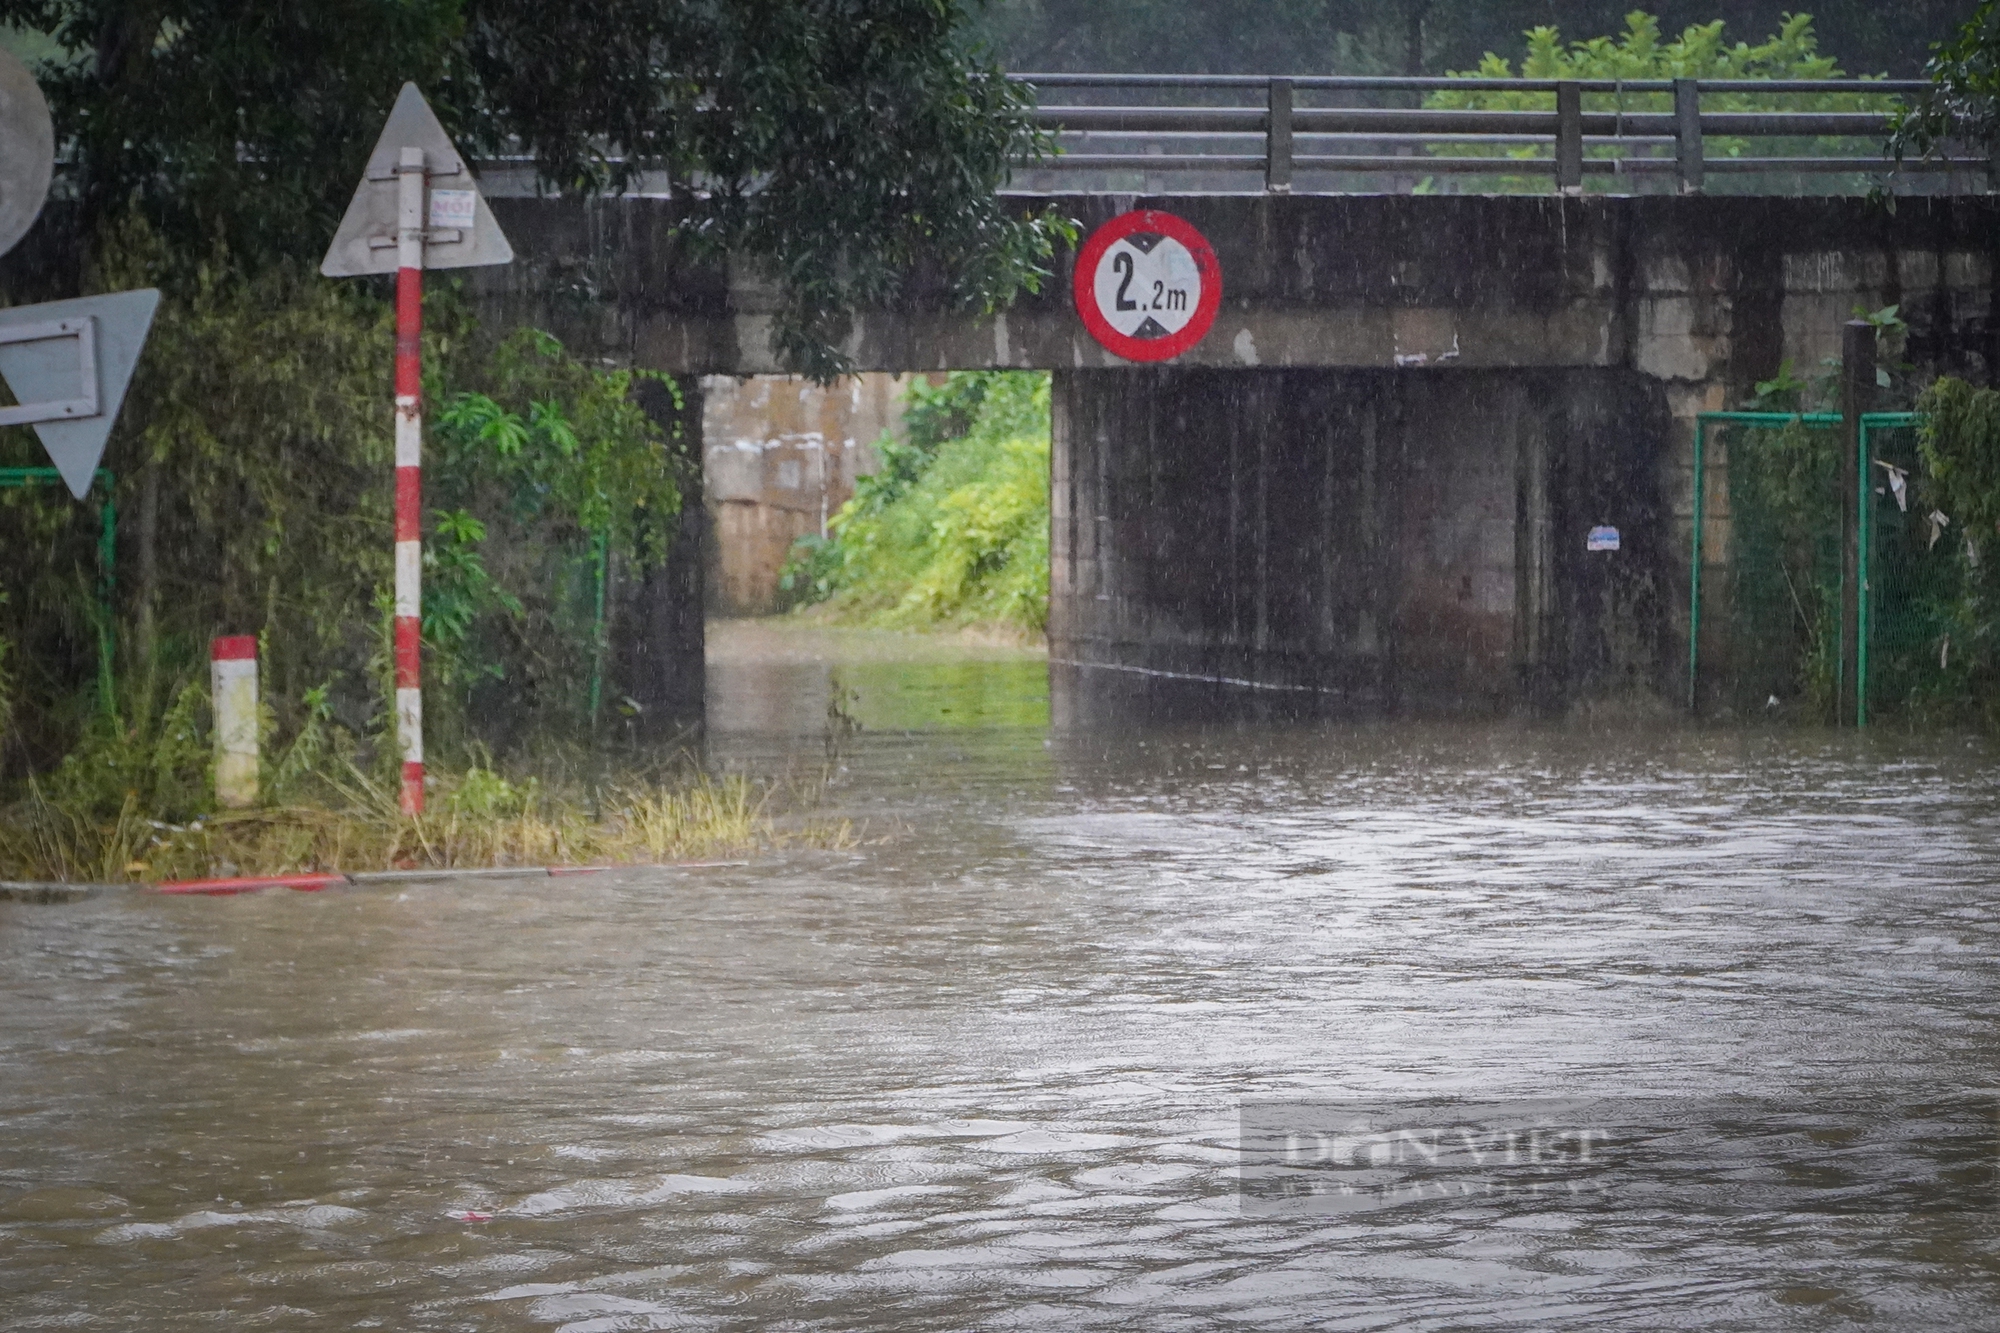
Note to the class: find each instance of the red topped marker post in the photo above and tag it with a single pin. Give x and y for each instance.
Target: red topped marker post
(1147, 285)
(417, 208)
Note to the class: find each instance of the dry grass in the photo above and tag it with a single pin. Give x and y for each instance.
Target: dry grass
(473, 819)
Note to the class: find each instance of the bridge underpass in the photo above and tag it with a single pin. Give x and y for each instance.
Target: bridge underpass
(1370, 485)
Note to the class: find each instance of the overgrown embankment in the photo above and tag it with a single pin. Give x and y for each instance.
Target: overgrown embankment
(953, 530)
(474, 818)
(251, 479)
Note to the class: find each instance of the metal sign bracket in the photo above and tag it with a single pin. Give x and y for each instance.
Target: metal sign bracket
(85, 404)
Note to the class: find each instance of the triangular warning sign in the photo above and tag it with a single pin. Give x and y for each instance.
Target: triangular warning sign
(53, 370)
(366, 241)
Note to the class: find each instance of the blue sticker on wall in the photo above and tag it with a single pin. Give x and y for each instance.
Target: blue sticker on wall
(1602, 539)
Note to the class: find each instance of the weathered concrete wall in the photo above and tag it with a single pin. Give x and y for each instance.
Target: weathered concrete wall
(779, 457)
(1669, 286)
(1373, 539)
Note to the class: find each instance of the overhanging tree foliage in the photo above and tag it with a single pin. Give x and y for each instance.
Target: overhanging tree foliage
(843, 143)
(1964, 101)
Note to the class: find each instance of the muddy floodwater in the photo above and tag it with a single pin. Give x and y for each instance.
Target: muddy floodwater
(985, 1070)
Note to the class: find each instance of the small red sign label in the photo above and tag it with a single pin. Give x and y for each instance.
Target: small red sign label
(1147, 285)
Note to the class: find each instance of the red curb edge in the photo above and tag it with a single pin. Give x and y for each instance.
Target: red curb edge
(314, 883)
(217, 887)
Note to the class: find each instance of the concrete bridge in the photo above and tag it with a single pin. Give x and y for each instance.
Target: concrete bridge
(1370, 485)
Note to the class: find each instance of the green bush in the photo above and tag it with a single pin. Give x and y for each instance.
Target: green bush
(954, 528)
(1642, 52)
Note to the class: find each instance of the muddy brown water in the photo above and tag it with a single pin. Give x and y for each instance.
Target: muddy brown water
(987, 1073)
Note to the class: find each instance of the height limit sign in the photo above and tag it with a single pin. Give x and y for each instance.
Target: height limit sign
(1147, 285)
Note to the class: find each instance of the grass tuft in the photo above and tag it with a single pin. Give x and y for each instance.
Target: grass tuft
(476, 818)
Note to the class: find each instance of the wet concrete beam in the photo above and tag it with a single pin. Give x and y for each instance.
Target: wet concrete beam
(1681, 288)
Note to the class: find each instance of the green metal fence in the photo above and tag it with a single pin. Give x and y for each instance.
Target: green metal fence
(107, 560)
(1914, 579)
(1784, 570)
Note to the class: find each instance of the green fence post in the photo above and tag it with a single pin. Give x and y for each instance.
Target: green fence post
(1866, 519)
(601, 562)
(1694, 570)
(1870, 422)
(1857, 395)
(107, 588)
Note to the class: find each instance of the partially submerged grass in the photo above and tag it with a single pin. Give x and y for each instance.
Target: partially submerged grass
(473, 819)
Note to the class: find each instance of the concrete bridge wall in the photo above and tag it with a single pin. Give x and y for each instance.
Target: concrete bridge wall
(1384, 540)
(1374, 477)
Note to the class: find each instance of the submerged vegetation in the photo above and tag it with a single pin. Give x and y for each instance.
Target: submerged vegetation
(953, 530)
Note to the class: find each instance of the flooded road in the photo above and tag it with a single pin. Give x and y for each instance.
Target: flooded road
(985, 1070)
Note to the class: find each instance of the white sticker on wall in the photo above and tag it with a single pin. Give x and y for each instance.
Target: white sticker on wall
(1602, 539)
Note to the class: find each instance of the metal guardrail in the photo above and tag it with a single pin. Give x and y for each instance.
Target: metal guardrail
(1282, 135)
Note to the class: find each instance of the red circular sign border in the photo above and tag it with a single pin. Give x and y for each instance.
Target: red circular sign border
(1084, 285)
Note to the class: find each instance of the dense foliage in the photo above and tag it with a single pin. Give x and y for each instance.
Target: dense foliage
(1783, 588)
(1399, 36)
(253, 465)
(1640, 51)
(548, 483)
(954, 527)
(843, 144)
(1964, 101)
(1933, 632)
(1951, 660)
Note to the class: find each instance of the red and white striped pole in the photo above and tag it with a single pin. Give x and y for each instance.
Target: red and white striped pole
(409, 475)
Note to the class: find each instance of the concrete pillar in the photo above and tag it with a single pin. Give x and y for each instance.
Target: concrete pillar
(658, 639)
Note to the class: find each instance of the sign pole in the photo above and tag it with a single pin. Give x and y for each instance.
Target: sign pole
(409, 473)
(395, 212)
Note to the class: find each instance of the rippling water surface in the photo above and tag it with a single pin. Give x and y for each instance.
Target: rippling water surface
(984, 1071)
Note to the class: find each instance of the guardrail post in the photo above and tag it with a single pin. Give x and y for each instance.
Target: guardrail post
(1687, 134)
(1278, 139)
(1569, 137)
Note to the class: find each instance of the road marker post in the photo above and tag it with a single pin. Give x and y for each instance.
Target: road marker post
(232, 676)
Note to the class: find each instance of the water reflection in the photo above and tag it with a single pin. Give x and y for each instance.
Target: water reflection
(987, 1074)
(778, 680)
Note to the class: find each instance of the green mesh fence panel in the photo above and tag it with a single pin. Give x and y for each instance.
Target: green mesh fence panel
(1781, 597)
(1926, 631)
(1918, 591)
